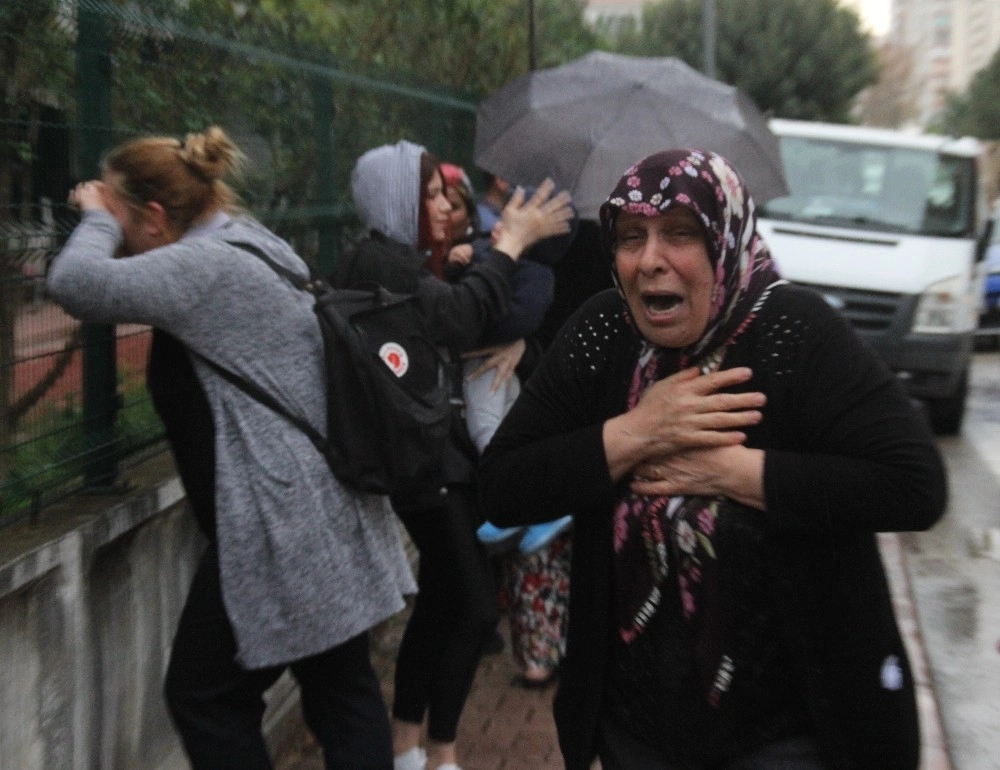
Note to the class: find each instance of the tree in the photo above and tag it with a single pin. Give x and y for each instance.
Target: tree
(472, 45)
(891, 102)
(977, 112)
(804, 59)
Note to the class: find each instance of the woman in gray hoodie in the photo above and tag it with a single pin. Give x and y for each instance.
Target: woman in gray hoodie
(399, 196)
(298, 567)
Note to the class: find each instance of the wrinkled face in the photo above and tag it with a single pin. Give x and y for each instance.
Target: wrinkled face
(665, 275)
(438, 209)
(459, 214)
(137, 238)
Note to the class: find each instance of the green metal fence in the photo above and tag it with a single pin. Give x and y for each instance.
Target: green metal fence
(78, 77)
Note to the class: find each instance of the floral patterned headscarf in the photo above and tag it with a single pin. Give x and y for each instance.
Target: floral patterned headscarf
(710, 187)
(654, 535)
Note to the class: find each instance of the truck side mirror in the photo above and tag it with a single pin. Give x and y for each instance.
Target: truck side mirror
(985, 236)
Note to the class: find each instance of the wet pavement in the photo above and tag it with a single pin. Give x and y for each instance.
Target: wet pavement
(954, 572)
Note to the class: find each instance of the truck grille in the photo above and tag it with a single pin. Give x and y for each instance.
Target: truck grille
(868, 311)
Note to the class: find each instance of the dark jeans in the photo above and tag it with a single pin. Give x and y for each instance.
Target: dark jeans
(454, 615)
(620, 751)
(217, 705)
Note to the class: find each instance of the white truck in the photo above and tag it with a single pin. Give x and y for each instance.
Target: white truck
(888, 226)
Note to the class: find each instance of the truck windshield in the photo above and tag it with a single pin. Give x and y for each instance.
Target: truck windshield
(889, 189)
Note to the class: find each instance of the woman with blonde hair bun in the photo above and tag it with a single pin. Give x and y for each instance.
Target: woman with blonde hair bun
(298, 567)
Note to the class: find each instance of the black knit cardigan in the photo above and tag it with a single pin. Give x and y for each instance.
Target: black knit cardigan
(846, 456)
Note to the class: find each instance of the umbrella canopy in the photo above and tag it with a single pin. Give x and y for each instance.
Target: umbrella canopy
(584, 123)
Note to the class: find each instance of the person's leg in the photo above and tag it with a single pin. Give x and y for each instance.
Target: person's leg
(419, 648)
(342, 704)
(454, 614)
(216, 705)
(539, 591)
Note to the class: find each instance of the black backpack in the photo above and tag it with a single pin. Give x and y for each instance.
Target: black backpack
(388, 400)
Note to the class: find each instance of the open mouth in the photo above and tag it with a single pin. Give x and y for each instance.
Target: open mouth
(661, 303)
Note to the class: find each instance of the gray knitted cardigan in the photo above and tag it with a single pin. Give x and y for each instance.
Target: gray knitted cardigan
(305, 563)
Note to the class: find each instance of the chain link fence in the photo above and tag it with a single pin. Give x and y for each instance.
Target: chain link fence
(78, 78)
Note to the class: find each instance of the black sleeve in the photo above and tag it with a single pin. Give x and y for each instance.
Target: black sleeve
(461, 312)
(547, 457)
(859, 457)
(458, 313)
(531, 287)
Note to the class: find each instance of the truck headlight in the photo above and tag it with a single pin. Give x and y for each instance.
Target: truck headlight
(942, 308)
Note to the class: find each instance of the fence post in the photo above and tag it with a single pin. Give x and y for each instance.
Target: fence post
(324, 112)
(93, 99)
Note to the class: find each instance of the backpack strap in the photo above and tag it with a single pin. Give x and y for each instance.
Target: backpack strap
(252, 389)
(294, 278)
(255, 392)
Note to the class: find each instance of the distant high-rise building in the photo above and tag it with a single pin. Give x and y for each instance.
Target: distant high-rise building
(950, 41)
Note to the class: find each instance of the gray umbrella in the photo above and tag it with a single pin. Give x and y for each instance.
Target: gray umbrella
(584, 123)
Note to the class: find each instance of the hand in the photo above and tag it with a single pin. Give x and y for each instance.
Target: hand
(528, 221)
(88, 196)
(503, 358)
(681, 412)
(460, 255)
(686, 411)
(733, 471)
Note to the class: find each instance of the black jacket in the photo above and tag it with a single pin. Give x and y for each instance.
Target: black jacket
(846, 457)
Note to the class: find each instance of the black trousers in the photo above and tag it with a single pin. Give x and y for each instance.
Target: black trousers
(454, 614)
(217, 705)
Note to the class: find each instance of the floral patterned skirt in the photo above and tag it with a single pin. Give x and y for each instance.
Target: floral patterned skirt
(537, 588)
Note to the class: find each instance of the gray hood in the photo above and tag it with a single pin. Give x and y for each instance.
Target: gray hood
(385, 185)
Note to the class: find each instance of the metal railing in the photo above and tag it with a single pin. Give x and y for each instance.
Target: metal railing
(79, 77)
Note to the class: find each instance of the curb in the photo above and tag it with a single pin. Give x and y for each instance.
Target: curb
(934, 752)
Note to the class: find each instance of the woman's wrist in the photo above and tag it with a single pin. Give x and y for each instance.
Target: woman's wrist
(624, 447)
(742, 478)
(509, 247)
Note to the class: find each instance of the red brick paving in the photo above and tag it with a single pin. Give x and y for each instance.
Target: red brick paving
(504, 726)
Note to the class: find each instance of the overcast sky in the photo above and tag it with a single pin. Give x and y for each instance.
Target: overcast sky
(875, 13)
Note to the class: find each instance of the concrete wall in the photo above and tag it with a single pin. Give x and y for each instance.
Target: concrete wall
(89, 599)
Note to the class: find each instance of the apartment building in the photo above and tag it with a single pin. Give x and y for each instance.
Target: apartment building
(949, 41)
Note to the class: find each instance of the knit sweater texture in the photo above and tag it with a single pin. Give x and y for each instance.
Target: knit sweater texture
(846, 456)
(306, 563)
(385, 186)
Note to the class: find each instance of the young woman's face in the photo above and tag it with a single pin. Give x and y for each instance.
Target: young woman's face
(460, 220)
(438, 209)
(665, 274)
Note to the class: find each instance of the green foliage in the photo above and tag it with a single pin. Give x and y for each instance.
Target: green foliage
(258, 67)
(977, 111)
(805, 59)
(58, 455)
(472, 45)
(285, 78)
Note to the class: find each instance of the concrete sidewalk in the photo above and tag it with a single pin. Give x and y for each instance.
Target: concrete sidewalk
(507, 727)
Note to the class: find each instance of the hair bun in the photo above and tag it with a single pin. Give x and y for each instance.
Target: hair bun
(211, 153)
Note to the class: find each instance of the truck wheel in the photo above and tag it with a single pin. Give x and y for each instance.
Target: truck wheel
(945, 414)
